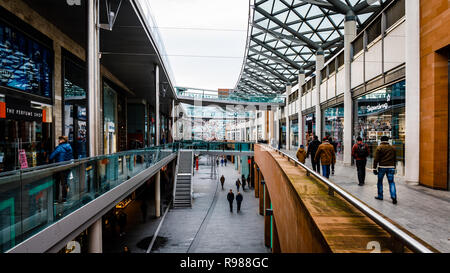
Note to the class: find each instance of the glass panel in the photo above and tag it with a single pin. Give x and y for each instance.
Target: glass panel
(24, 64)
(75, 112)
(382, 113)
(34, 198)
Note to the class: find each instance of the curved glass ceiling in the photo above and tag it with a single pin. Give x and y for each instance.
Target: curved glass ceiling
(286, 35)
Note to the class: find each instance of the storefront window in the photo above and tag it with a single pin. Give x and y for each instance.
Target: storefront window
(109, 119)
(382, 113)
(309, 123)
(75, 110)
(333, 119)
(25, 135)
(25, 65)
(283, 134)
(294, 133)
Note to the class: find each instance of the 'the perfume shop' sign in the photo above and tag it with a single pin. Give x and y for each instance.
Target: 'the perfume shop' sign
(22, 111)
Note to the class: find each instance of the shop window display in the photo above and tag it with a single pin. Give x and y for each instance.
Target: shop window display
(334, 127)
(25, 65)
(382, 113)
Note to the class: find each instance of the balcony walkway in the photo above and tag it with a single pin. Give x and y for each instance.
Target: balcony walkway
(423, 211)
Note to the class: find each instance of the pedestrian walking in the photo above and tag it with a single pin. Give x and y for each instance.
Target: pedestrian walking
(63, 152)
(360, 152)
(325, 154)
(301, 154)
(312, 150)
(225, 161)
(249, 182)
(238, 184)
(243, 182)
(217, 162)
(222, 180)
(239, 199)
(230, 198)
(221, 162)
(122, 222)
(385, 159)
(334, 144)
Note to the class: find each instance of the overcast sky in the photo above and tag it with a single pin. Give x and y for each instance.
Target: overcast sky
(182, 23)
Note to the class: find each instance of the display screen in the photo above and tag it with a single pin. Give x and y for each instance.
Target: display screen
(24, 64)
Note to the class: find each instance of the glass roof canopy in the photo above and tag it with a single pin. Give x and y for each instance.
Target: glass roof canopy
(285, 35)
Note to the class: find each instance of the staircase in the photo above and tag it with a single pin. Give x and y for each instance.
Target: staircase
(183, 182)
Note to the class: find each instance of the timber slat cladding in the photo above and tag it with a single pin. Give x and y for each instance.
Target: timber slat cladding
(308, 217)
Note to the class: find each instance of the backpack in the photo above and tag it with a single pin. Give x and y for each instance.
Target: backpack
(361, 151)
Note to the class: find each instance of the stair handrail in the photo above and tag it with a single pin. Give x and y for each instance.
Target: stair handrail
(175, 178)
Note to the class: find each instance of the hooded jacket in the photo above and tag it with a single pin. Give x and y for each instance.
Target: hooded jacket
(63, 152)
(301, 155)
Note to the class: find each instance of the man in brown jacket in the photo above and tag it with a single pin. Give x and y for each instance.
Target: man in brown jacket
(327, 156)
(385, 159)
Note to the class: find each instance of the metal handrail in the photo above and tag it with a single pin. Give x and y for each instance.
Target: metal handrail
(395, 231)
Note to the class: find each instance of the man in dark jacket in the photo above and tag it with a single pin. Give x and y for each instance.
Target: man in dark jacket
(360, 152)
(312, 150)
(222, 180)
(239, 199)
(230, 198)
(63, 152)
(385, 159)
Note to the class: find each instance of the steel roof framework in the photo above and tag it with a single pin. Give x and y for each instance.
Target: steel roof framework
(285, 36)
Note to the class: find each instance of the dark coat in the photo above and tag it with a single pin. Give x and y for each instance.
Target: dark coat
(63, 152)
(385, 156)
(239, 198)
(230, 197)
(313, 147)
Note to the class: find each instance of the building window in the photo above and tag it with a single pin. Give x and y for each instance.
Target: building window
(333, 119)
(75, 107)
(25, 65)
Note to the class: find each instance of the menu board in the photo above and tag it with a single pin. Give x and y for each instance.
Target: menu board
(24, 64)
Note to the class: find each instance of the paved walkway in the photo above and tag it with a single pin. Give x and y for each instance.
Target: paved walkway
(424, 212)
(209, 227)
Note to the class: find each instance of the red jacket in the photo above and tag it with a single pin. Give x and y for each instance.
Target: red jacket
(355, 154)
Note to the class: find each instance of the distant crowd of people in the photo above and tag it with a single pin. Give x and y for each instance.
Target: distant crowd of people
(384, 163)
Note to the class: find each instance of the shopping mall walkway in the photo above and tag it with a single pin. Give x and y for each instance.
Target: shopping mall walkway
(424, 212)
(207, 227)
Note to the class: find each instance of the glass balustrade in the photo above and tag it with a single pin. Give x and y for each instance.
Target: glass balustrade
(32, 199)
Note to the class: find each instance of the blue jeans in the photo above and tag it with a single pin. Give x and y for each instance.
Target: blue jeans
(389, 172)
(326, 171)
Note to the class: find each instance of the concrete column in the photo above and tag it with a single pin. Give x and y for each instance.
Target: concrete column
(301, 82)
(267, 220)
(320, 60)
(349, 35)
(271, 132)
(93, 76)
(286, 114)
(276, 247)
(257, 178)
(412, 115)
(95, 244)
(158, 136)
